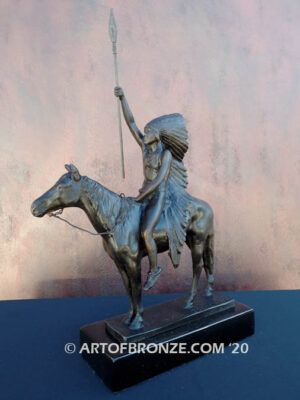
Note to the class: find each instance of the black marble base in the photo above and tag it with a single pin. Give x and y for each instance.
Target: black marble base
(119, 370)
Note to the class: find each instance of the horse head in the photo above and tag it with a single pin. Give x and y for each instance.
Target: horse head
(65, 193)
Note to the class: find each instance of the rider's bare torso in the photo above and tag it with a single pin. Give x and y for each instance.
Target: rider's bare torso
(152, 162)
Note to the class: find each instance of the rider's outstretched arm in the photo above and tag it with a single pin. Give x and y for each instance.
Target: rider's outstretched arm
(137, 134)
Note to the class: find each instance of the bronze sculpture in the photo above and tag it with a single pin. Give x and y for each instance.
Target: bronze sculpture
(162, 217)
(163, 213)
(163, 209)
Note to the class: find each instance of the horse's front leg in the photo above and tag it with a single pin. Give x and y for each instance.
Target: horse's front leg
(134, 274)
(127, 285)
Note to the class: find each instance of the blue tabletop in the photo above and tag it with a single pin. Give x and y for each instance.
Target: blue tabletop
(34, 365)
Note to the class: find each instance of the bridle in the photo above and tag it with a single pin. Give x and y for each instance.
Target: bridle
(60, 211)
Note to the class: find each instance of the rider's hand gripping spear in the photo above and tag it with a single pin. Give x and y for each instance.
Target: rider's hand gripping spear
(113, 36)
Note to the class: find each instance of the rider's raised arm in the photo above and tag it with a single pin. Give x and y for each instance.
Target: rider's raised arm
(163, 173)
(137, 134)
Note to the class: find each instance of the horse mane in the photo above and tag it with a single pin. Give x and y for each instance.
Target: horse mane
(116, 211)
(103, 200)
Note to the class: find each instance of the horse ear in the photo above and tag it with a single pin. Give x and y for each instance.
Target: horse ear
(75, 173)
(67, 166)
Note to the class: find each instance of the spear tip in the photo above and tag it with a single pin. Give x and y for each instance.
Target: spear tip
(112, 27)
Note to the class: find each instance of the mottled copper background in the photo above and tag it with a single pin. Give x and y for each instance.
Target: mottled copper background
(232, 68)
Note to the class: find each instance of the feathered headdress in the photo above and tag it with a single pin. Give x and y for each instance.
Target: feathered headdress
(173, 133)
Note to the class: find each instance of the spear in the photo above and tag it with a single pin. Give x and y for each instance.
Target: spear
(112, 28)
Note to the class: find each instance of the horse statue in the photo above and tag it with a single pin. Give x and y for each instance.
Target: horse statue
(118, 219)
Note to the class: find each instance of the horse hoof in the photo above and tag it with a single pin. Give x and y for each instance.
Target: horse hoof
(128, 319)
(137, 323)
(188, 305)
(208, 292)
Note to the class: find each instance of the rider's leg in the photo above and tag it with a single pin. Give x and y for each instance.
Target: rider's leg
(150, 220)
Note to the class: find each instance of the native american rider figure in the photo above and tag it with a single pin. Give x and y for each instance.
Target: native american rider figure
(164, 145)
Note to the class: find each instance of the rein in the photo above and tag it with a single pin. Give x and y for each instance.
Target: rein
(59, 212)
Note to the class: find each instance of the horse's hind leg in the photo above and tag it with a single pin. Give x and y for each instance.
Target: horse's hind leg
(208, 259)
(197, 257)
